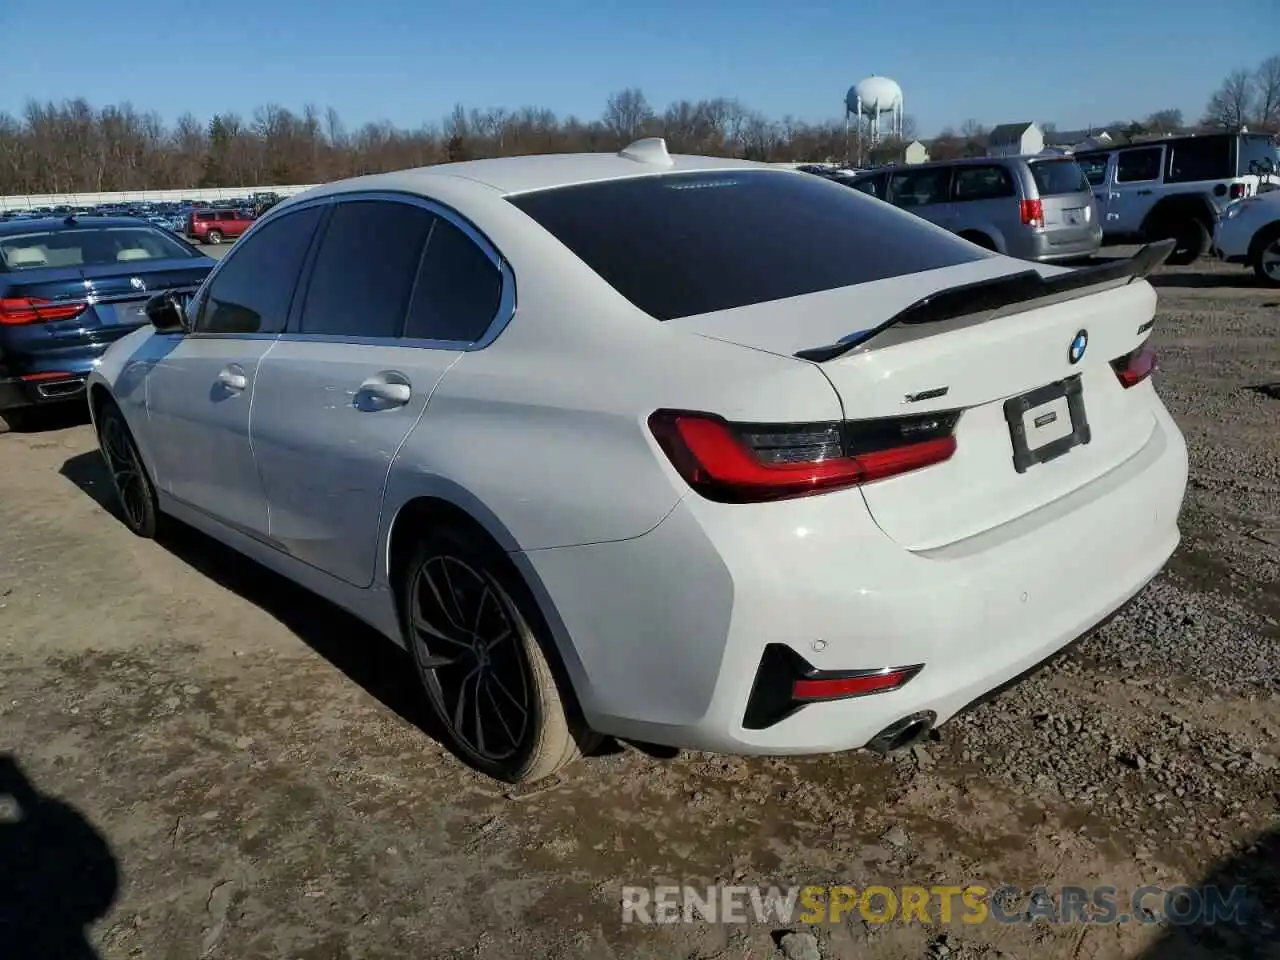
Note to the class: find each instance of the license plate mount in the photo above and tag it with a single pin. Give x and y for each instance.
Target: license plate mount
(129, 314)
(1039, 403)
(1074, 216)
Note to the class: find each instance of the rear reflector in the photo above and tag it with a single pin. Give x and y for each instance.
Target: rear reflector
(1133, 368)
(852, 685)
(48, 375)
(1033, 213)
(20, 310)
(748, 463)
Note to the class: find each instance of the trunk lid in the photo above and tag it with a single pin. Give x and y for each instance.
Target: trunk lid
(111, 281)
(974, 367)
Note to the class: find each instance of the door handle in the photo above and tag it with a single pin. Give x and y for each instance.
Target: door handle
(390, 388)
(1144, 193)
(232, 377)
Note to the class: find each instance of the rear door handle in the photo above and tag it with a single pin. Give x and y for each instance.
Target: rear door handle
(1144, 193)
(232, 377)
(390, 388)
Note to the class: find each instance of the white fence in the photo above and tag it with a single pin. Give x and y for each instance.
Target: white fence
(36, 201)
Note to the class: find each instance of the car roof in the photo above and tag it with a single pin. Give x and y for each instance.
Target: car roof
(55, 223)
(512, 175)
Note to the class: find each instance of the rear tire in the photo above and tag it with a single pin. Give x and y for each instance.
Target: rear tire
(1266, 257)
(214, 237)
(478, 644)
(1191, 237)
(136, 500)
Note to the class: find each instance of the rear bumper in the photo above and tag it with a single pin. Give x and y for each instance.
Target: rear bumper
(59, 388)
(1053, 246)
(664, 633)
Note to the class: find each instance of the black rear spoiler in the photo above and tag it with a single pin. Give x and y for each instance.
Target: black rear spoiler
(1020, 291)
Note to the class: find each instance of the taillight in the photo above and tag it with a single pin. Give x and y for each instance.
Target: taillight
(18, 310)
(1239, 191)
(748, 463)
(1133, 368)
(1033, 213)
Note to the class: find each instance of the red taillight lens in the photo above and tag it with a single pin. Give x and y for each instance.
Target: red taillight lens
(1133, 368)
(18, 310)
(1033, 213)
(1239, 190)
(747, 463)
(853, 685)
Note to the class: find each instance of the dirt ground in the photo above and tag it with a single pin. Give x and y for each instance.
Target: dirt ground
(225, 766)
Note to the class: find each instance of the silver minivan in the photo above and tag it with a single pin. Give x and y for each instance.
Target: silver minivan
(1033, 208)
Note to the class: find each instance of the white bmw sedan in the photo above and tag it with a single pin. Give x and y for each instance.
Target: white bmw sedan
(688, 451)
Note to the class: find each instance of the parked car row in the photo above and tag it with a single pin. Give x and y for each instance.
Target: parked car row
(69, 288)
(1053, 208)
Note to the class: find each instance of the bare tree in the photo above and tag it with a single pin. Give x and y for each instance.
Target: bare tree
(1266, 85)
(1164, 121)
(627, 114)
(1231, 107)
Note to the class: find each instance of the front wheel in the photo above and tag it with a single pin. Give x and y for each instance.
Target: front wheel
(135, 495)
(487, 677)
(1266, 258)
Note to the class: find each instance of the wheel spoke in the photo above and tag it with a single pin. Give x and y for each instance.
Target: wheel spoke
(498, 712)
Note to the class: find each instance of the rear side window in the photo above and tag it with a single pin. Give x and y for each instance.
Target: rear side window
(1206, 158)
(677, 245)
(983, 182)
(458, 289)
(919, 188)
(252, 291)
(1055, 178)
(1139, 166)
(364, 270)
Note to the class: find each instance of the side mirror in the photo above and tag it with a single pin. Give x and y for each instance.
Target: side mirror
(167, 313)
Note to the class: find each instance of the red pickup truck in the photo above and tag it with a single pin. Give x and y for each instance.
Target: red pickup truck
(214, 226)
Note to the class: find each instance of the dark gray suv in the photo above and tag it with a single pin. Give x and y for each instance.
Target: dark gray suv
(1033, 208)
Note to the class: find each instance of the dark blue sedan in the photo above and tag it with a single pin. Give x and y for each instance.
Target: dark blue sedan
(68, 289)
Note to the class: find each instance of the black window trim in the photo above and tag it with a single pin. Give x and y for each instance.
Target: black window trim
(506, 301)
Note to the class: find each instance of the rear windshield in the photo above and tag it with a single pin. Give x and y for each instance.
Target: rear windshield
(1056, 177)
(88, 247)
(678, 245)
(1258, 156)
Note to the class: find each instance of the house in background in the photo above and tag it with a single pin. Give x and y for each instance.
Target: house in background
(915, 152)
(1076, 141)
(1015, 140)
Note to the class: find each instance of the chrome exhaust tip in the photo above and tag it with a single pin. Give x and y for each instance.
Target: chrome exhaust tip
(903, 733)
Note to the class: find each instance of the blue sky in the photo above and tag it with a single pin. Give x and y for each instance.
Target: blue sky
(1071, 62)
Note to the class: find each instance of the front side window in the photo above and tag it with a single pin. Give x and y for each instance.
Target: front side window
(983, 182)
(365, 268)
(681, 244)
(1139, 166)
(1094, 166)
(252, 291)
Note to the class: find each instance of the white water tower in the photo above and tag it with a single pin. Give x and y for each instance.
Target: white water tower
(866, 103)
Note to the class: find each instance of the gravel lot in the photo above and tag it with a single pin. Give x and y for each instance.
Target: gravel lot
(233, 769)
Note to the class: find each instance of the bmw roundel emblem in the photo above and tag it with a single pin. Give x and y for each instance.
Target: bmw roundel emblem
(137, 283)
(1079, 345)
